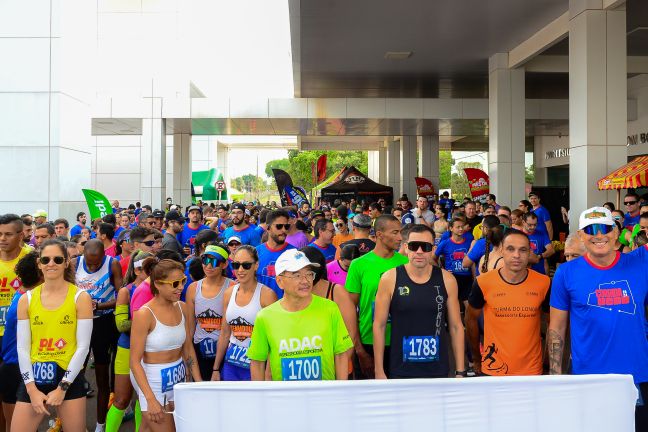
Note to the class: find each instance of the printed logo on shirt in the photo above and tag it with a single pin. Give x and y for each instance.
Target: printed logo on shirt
(48, 344)
(16, 283)
(269, 270)
(491, 362)
(241, 328)
(209, 321)
(305, 345)
(66, 320)
(403, 291)
(613, 296)
(458, 254)
(37, 321)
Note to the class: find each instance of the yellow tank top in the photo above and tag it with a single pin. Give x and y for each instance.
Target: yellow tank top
(9, 283)
(53, 332)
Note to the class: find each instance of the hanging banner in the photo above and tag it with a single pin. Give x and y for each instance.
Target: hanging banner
(98, 204)
(478, 182)
(289, 194)
(424, 187)
(321, 168)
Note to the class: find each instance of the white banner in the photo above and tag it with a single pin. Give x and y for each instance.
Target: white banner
(589, 403)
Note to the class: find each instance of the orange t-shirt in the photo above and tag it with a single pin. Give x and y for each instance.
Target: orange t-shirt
(338, 240)
(512, 315)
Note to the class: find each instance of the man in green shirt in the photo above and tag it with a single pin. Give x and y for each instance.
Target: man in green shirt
(302, 336)
(362, 283)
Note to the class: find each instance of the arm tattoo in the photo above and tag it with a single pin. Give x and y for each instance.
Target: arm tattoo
(555, 348)
(190, 363)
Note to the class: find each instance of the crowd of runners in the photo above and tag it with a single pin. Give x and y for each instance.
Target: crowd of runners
(345, 290)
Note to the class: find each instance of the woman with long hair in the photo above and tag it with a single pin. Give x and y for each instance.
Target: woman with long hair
(492, 258)
(161, 352)
(135, 275)
(241, 303)
(59, 314)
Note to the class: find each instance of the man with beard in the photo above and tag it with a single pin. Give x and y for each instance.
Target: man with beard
(190, 230)
(80, 225)
(174, 226)
(278, 225)
(241, 229)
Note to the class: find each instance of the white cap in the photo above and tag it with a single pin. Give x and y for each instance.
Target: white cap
(595, 215)
(292, 260)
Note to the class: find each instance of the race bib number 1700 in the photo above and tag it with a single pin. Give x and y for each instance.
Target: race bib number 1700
(301, 369)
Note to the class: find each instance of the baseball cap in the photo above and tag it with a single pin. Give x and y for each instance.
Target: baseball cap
(174, 216)
(362, 221)
(216, 251)
(238, 206)
(195, 207)
(234, 238)
(595, 215)
(316, 213)
(158, 214)
(292, 260)
(40, 213)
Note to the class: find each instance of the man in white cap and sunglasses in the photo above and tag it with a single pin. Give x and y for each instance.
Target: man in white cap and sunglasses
(302, 336)
(603, 297)
(418, 298)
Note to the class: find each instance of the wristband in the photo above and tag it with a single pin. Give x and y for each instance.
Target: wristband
(462, 373)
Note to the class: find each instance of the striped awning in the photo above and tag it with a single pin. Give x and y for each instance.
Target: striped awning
(634, 174)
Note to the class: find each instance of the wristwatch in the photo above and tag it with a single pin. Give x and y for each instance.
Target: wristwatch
(64, 385)
(462, 373)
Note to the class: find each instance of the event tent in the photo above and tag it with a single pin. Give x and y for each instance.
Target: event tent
(351, 183)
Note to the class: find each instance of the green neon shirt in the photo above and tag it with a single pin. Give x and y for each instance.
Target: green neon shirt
(363, 278)
(301, 345)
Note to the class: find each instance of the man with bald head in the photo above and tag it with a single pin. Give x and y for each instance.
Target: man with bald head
(100, 276)
(574, 247)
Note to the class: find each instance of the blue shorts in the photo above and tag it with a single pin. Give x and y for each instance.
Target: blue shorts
(234, 373)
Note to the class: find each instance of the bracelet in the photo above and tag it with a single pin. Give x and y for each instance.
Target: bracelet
(216, 370)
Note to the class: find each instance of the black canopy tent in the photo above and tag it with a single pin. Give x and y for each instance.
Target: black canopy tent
(353, 184)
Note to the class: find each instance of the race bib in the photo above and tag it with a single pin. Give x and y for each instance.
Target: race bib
(45, 373)
(3, 315)
(420, 348)
(172, 375)
(237, 356)
(301, 369)
(207, 348)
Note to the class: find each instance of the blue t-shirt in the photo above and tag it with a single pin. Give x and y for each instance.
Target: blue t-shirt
(467, 235)
(187, 237)
(543, 216)
(267, 259)
(630, 221)
(183, 294)
(249, 235)
(477, 252)
(76, 230)
(9, 342)
(329, 251)
(539, 241)
(118, 231)
(607, 314)
(260, 230)
(448, 204)
(407, 218)
(453, 254)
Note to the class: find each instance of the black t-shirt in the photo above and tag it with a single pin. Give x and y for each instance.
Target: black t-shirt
(365, 245)
(474, 221)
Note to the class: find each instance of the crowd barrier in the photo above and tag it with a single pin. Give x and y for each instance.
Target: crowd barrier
(588, 403)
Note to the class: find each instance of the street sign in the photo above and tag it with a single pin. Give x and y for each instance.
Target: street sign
(220, 186)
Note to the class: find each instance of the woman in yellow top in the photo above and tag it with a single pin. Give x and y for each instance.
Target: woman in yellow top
(53, 338)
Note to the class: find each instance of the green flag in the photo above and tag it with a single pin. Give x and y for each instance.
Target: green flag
(98, 204)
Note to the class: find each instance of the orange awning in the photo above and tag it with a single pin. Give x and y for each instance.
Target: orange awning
(634, 174)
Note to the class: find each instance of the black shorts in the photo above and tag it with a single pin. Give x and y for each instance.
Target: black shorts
(10, 379)
(641, 411)
(77, 388)
(464, 285)
(205, 364)
(104, 338)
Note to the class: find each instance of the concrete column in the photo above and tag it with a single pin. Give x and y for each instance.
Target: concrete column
(153, 163)
(382, 165)
(182, 169)
(597, 101)
(408, 147)
(393, 166)
(428, 153)
(222, 161)
(506, 117)
(373, 166)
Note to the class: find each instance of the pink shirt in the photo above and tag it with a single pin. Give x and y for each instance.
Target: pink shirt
(111, 251)
(335, 273)
(141, 296)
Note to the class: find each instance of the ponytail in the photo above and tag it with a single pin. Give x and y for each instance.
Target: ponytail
(484, 267)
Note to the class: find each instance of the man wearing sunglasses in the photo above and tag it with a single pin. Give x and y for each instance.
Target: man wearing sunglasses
(603, 296)
(174, 223)
(418, 298)
(142, 238)
(270, 251)
(632, 205)
(302, 336)
(323, 241)
(240, 227)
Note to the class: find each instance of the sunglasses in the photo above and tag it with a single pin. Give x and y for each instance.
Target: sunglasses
(234, 243)
(174, 283)
(214, 261)
(282, 226)
(416, 245)
(339, 225)
(630, 202)
(246, 265)
(149, 243)
(598, 229)
(57, 260)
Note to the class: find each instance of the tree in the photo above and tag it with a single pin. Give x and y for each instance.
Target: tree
(459, 181)
(445, 167)
(249, 183)
(299, 163)
(529, 174)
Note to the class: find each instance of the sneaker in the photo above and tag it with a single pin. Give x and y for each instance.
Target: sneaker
(471, 372)
(55, 425)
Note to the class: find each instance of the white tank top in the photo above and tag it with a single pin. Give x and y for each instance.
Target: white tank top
(241, 318)
(164, 337)
(97, 284)
(209, 313)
